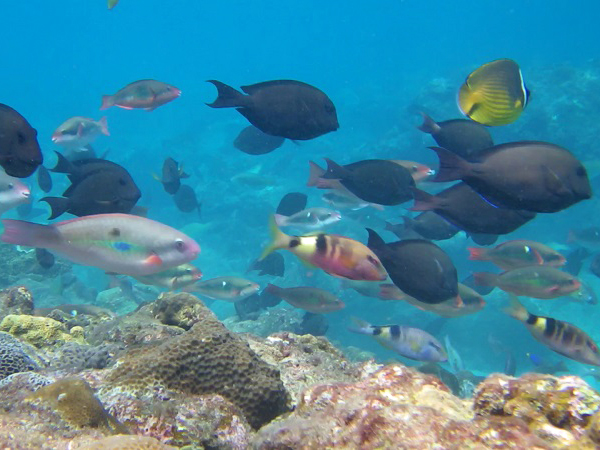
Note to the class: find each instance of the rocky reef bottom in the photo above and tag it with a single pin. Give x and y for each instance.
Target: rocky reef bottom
(170, 375)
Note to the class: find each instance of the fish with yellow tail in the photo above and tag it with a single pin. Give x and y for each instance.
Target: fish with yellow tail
(337, 255)
(412, 343)
(562, 337)
(494, 94)
(118, 243)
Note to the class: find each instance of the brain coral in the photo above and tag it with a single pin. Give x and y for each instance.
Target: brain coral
(207, 359)
(13, 358)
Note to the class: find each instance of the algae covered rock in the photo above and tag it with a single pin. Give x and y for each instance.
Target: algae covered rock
(123, 442)
(181, 310)
(39, 331)
(207, 359)
(16, 300)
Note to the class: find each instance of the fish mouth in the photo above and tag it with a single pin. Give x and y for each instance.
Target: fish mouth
(26, 194)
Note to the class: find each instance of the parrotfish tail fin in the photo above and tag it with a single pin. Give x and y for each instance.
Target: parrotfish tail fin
(273, 290)
(429, 125)
(423, 200)
(314, 173)
(107, 102)
(389, 291)
(360, 326)
(516, 310)
(374, 241)
(58, 206)
(63, 165)
(458, 302)
(103, 126)
(485, 279)
(281, 220)
(452, 167)
(478, 254)
(278, 239)
(29, 234)
(335, 171)
(227, 97)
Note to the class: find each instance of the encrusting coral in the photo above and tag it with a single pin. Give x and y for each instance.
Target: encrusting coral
(40, 331)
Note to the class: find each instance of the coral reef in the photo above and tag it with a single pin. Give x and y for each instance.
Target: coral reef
(207, 359)
(272, 321)
(181, 310)
(15, 300)
(14, 356)
(40, 331)
(77, 357)
(123, 442)
(73, 399)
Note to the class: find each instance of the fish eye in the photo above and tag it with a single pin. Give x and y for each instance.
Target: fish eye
(122, 181)
(21, 138)
(372, 260)
(11, 186)
(179, 244)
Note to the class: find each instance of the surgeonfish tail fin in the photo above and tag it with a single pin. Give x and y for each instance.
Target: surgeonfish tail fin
(63, 165)
(58, 206)
(429, 125)
(227, 97)
(314, 173)
(452, 167)
(478, 253)
(278, 239)
(103, 126)
(107, 102)
(516, 310)
(360, 326)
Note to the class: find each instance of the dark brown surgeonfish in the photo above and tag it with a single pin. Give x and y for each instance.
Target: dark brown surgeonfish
(418, 268)
(186, 200)
(428, 225)
(172, 173)
(461, 136)
(254, 142)
(20, 153)
(286, 108)
(532, 175)
(44, 179)
(292, 203)
(98, 186)
(273, 264)
(374, 180)
(464, 208)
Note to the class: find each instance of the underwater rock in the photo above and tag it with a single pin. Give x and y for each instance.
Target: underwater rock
(115, 300)
(178, 309)
(207, 359)
(268, 322)
(557, 409)
(123, 442)
(77, 357)
(40, 331)
(391, 406)
(315, 324)
(16, 300)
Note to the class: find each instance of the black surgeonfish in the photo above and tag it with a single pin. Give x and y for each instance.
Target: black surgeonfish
(418, 268)
(494, 94)
(466, 209)
(461, 136)
(428, 225)
(44, 179)
(562, 337)
(20, 153)
(292, 203)
(530, 175)
(186, 200)
(286, 108)
(98, 186)
(172, 173)
(273, 265)
(254, 142)
(374, 180)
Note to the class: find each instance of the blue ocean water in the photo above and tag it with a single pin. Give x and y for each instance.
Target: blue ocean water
(380, 64)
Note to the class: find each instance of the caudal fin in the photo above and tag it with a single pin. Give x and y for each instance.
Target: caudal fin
(107, 102)
(516, 310)
(485, 279)
(227, 97)
(278, 239)
(103, 126)
(478, 254)
(423, 200)
(58, 206)
(452, 167)
(360, 326)
(29, 234)
(63, 165)
(429, 125)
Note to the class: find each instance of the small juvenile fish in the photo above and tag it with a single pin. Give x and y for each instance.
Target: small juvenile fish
(588, 236)
(310, 219)
(562, 337)
(142, 94)
(337, 255)
(412, 343)
(541, 282)
(231, 289)
(172, 173)
(314, 300)
(119, 243)
(79, 131)
(174, 278)
(518, 253)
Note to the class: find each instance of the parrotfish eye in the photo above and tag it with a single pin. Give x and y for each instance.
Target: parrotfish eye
(415, 168)
(179, 244)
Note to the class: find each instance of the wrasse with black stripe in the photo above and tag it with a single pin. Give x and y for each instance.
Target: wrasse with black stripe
(562, 337)
(412, 343)
(337, 255)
